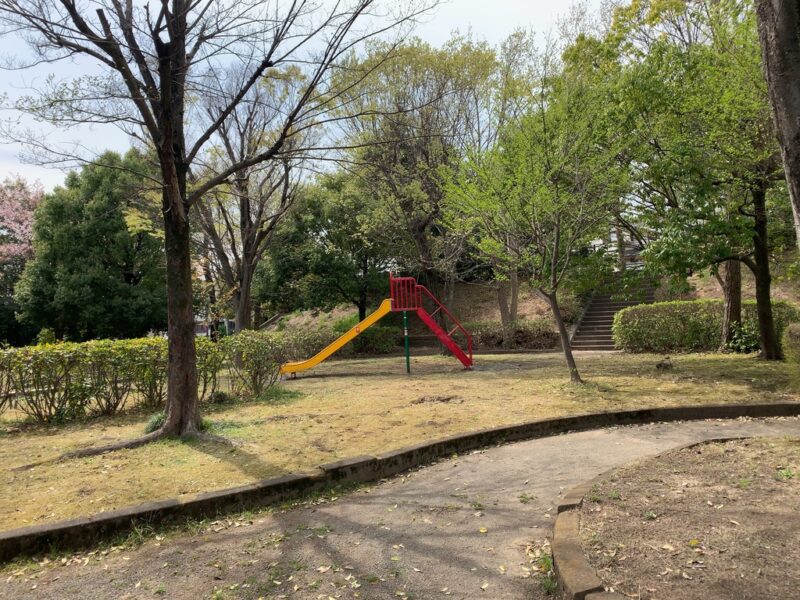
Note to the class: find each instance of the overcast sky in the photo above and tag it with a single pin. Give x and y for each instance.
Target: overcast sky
(491, 20)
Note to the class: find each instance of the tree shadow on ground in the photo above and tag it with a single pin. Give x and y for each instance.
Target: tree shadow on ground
(238, 456)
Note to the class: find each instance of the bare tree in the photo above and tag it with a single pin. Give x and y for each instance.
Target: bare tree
(156, 60)
(779, 34)
(238, 218)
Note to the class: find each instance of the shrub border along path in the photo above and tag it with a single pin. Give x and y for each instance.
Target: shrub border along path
(81, 532)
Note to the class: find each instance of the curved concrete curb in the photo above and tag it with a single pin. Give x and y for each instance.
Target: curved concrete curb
(83, 531)
(577, 579)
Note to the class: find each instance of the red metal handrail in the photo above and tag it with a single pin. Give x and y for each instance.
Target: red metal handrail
(407, 294)
(456, 322)
(404, 293)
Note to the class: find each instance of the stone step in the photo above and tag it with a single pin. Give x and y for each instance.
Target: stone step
(610, 306)
(596, 347)
(634, 299)
(598, 321)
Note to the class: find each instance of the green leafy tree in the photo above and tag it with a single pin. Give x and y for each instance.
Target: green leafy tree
(536, 202)
(91, 276)
(693, 105)
(328, 251)
(420, 112)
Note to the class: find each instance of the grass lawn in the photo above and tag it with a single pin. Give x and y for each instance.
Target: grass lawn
(350, 407)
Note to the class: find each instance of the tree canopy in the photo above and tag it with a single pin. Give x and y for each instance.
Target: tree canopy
(91, 276)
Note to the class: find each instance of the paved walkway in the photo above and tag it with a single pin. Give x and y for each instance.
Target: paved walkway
(457, 529)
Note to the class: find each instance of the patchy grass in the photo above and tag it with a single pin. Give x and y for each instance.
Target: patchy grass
(346, 408)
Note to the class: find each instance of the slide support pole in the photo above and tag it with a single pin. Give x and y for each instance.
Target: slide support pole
(405, 336)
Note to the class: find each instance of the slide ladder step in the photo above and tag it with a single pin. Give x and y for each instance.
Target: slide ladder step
(444, 337)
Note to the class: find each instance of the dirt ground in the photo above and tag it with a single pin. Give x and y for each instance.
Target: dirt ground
(720, 521)
(347, 408)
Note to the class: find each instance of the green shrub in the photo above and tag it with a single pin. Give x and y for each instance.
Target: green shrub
(530, 334)
(210, 360)
(690, 326)
(149, 360)
(299, 344)
(345, 324)
(219, 397)
(109, 368)
(791, 349)
(745, 336)
(378, 339)
(254, 358)
(155, 422)
(50, 380)
(45, 336)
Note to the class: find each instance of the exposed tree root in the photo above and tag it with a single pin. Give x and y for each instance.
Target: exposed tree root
(96, 451)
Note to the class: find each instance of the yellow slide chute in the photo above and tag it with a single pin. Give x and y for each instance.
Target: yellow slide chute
(295, 367)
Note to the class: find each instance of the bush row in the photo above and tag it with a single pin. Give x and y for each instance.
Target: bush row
(691, 326)
(378, 339)
(64, 381)
(530, 334)
(791, 349)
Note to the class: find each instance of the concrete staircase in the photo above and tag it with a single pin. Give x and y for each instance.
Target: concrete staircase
(594, 330)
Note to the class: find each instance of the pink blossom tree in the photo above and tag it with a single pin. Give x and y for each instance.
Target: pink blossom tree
(18, 200)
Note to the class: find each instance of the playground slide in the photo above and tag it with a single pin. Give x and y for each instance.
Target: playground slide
(295, 367)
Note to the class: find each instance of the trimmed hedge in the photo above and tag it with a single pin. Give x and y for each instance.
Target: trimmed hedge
(53, 383)
(530, 334)
(254, 359)
(689, 326)
(791, 350)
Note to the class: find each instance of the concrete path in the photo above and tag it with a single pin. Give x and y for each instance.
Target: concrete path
(457, 529)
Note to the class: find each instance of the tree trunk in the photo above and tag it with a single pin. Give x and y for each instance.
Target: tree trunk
(770, 345)
(621, 259)
(182, 412)
(257, 316)
(213, 326)
(242, 300)
(574, 376)
(362, 306)
(506, 319)
(362, 290)
(732, 291)
(514, 307)
(779, 35)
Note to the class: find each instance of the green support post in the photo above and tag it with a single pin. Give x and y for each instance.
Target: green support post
(405, 336)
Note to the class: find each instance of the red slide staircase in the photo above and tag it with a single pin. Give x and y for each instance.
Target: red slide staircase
(408, 295)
